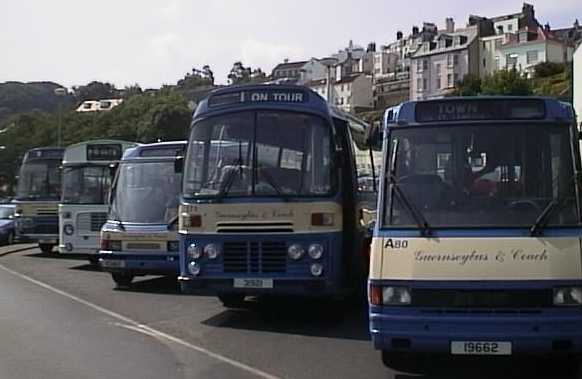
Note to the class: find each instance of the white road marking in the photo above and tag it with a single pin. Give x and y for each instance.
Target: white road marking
(134, 325)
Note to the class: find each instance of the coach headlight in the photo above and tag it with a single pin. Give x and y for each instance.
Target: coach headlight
(568, 296)
(194, 268)
(296, 252)
(396, 296)
(315, 251)
(211, 251)
(194, 251)
(316, 269)
(69, 229)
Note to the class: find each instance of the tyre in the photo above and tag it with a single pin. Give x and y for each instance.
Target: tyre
(10, 239)
(403, 362)
(231, 300)
(122, 280)
(46, 248)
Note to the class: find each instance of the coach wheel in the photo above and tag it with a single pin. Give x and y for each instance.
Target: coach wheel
(123, 280)
(10, 238)
(46, 248)
(232, 300)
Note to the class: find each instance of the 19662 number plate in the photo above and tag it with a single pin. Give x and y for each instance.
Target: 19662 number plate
(480, 348)
(253, 283)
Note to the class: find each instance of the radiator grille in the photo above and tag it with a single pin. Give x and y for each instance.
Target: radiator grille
(254, 257)
(91, 222)
(482, 299)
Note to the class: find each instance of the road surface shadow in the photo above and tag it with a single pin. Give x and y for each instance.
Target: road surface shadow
(161, 285)
(75, 257)
(17, 248)
(90, 267)
(298, 316)
(488, 368)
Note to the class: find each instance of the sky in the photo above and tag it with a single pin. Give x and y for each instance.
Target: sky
(156, 42)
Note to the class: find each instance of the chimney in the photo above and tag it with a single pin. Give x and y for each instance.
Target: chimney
(415, 31)
(547, 27)
(399, 35)
(286, 60)
(371, 47)
(450, 25)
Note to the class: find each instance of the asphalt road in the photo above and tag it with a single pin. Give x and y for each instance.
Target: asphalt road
(61, 318)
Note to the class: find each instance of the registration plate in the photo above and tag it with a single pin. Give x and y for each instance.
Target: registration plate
(112, 263)
(480, 348)
(253, 283)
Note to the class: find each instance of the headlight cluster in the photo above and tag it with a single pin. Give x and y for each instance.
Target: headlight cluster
(196, 252)
(210, 251)
(389, 295)
(69, 229)
(315, 251)
(568, 296)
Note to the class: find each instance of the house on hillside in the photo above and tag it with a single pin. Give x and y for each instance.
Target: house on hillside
(531, 46)
(288, 70)
(351, 93)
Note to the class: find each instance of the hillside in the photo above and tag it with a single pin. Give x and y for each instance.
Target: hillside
(17, 97)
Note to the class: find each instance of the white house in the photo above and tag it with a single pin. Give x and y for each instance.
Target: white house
(531, 46)
(350, 93)
(98, 105)
(578, 83)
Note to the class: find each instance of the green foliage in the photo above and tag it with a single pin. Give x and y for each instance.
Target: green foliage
(148, 117)
(96, 91)
(507, 82)
(469, 86)
(547, 69)
(17, 97)
(239, 74)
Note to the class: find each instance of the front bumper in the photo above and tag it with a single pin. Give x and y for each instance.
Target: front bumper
(140, 264)
(293, 287)
(551, 331)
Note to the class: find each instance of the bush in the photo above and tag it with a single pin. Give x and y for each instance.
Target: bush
(545, 69)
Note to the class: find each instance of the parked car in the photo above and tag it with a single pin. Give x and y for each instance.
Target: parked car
(7, 224)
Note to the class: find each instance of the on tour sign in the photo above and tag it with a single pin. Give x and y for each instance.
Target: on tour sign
(259, 96)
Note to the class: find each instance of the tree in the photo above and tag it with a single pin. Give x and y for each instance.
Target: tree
(469, 86)
(546, 69)
(239, 74)
(95, 91)
(133, 90)
(197, 79)
(506, 82)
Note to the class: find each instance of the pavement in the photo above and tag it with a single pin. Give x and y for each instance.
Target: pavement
(60, 317)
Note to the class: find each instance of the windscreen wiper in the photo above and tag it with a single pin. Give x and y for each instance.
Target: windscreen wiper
(423, 225)
(272, 183)
(425, 229)
(544, 217)
(550, 210)
(238, 167)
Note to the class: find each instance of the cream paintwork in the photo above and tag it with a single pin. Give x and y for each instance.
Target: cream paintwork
(477, 259)
(299, 214)
(140, 237)
(30, 209)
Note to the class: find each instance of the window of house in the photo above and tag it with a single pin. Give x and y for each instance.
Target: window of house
(450, 59)
(438, 82)
(484, 62)
(511, 60)
(532, 57)
(455, 78)
(509, 28)
(500, 29)
(450, 80)
(419, 84)
(497, 64)
(425, 84)
(498, 44)
(456, 59)
(425, 64)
